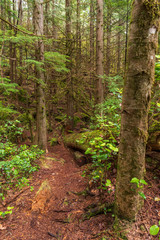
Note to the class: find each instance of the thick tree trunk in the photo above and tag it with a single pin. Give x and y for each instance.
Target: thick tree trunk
(139, 78)
(41, 108)
(99, 51)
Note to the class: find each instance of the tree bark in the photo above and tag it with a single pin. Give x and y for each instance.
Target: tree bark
(99, 51)
(41, 130)
(54, 29)
(78, 39)
(92, 83)
(108, 50)
(119, 48)
(126, 40)
(69, 93)
(142, 44)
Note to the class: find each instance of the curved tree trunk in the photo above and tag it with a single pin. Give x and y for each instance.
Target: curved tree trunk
(139, 78)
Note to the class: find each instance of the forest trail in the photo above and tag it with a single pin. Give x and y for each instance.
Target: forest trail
(60, 217)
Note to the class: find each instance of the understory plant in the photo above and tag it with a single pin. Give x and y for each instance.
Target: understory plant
(103, 149)
(16, 162)
(16, 169)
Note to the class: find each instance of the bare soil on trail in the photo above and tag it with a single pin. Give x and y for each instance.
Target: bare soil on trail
(60, 217)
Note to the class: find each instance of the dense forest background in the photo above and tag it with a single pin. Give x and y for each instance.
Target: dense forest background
(79, 68)
(63, 65)
(70, 59)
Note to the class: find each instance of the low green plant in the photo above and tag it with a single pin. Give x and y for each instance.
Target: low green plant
(9, 211)
(139, 184)
(154, 230)
(101, 150)
(11, 131)
(15, 170)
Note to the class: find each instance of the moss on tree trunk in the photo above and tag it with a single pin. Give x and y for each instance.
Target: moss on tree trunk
(139, 78)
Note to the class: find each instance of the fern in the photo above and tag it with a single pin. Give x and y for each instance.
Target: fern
(6, 87)
(6, 111)
(56, 60)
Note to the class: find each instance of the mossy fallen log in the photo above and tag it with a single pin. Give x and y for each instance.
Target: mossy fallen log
(80, 141)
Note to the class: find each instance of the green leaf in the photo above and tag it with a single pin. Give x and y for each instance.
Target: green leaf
(143, 182)
(88, 151)
(9, 208)
(108, 183)
(135, 180)
(154, 230)
(142, 195)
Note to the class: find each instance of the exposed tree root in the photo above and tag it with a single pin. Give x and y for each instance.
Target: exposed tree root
(93, 211)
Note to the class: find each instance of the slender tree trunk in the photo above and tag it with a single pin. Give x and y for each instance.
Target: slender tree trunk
(46, 26)
(19, 22)
(119, 48)
(69, 94)
(14, 50)
(41, 130)
(99, 51)
(28, 15)
(126, 41)
(78, 39)
(54, 29)
(142, 44)
(92, 84)
(2, 14)
(108, 50)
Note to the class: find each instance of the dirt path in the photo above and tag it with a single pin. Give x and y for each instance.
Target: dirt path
(56, 212)
(60, 217)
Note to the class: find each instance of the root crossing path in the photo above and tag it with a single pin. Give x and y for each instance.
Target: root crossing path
(50, 209)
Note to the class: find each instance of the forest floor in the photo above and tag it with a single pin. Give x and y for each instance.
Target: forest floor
(56, 211)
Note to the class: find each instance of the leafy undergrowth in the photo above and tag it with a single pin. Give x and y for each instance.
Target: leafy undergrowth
(17, 163)
(63, 214)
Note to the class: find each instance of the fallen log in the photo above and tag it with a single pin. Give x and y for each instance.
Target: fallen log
(80, 141)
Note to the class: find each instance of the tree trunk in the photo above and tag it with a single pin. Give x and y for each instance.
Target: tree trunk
(54, 29)
(99, 51)
(142, 44)
(119, 48)
(108, 50)
(126, 40)
(92, 84)
(19, 22)
(69, 94)
(41, 108)
(78, 39)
